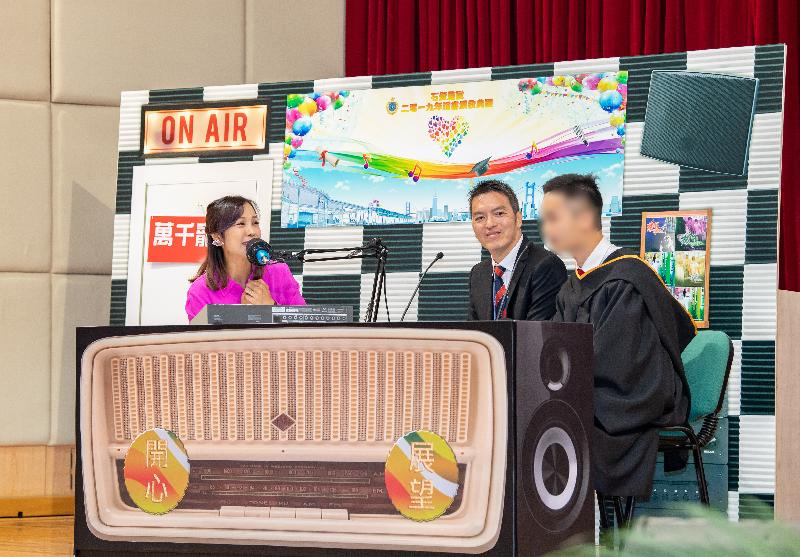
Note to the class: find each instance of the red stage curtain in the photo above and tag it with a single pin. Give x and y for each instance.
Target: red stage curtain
(403, 36)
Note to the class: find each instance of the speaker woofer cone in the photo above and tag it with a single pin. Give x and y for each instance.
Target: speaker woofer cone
(555, 364)
(554, 483)
(555, 466)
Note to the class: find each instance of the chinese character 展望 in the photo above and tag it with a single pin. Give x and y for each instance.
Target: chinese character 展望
(421, 494)
(156, 454)
(184, 233)
(200, 235)
(422, 456)
(156, 489)
(162, 235)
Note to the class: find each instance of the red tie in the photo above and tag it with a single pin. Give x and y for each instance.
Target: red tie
(501, 290)
(580, 272)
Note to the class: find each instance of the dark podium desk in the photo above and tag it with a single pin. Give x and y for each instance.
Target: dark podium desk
(287, 429)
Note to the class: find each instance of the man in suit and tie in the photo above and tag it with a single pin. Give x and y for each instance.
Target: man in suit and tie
(522, 279)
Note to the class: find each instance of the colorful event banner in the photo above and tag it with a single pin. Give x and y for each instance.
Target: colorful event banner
(410, 154)
(177, 239)
(677, 245)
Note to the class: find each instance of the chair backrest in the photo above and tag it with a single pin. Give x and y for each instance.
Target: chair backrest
(707, 363)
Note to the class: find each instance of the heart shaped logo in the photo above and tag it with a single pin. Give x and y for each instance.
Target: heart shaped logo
(447, 133)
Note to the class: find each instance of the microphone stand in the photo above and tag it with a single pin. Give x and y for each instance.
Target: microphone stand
(422, 276)
(374, 248)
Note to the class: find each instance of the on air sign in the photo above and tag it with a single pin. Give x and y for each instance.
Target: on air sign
(195, 130)
(177, 239)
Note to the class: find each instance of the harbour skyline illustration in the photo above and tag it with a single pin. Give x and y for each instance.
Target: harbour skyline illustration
(320, 198)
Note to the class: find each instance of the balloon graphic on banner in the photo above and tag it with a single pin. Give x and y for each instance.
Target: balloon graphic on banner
(591, 81)
(293, 100)
(323, 102)
(308, 107)
(607, 84)
(622, 76)
(617, 119)
(297, 142)
(292, 114)
(610, 100)
(302, 126)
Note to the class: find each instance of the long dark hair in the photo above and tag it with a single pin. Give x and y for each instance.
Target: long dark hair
(221, 214)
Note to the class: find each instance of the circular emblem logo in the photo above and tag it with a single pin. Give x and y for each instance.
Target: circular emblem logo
(391, 106)
(156, 471)
(421, 476)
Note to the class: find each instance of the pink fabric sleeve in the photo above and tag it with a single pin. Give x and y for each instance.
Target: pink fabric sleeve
(197, 297)
(286, 291)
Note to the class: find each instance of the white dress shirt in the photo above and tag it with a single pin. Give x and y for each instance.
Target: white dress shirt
(508, 263)
(598, 255)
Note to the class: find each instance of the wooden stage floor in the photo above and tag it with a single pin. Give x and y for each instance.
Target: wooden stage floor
(36, 536)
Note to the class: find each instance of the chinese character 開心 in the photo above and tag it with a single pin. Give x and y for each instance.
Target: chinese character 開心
(156, 454)
(156, 490)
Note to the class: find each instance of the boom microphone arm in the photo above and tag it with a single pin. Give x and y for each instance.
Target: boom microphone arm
(374, 248)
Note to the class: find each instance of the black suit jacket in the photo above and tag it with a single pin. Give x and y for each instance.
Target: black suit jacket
(537, 278)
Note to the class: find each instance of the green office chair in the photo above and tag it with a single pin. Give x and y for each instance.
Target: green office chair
(707, 363)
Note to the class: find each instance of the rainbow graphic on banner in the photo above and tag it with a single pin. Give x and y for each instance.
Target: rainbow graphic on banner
(421, 476)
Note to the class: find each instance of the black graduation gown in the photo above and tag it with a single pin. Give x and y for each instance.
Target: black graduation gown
(640, 331)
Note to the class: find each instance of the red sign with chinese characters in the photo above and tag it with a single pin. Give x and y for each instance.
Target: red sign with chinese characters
(177, 239)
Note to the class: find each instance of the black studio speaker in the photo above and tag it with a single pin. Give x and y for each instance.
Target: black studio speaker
(700, 120)
(555, 500)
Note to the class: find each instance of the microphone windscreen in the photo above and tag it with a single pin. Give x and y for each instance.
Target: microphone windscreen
(253, 247)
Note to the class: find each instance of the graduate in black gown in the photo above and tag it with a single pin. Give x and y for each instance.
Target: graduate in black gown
(640, 331)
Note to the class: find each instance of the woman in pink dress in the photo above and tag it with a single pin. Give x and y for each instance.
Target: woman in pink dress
(226, 276)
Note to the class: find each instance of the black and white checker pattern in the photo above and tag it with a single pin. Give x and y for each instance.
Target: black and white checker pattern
(744, 234)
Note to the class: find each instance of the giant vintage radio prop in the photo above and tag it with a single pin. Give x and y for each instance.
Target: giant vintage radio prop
(287, 431)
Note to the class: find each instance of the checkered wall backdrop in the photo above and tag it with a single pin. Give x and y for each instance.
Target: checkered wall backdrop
(743, 251)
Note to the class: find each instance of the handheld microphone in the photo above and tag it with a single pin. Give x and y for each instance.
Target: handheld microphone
(258, 252)
(421, 278)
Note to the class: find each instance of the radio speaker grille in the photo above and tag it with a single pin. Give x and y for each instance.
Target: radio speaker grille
(292, 395)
